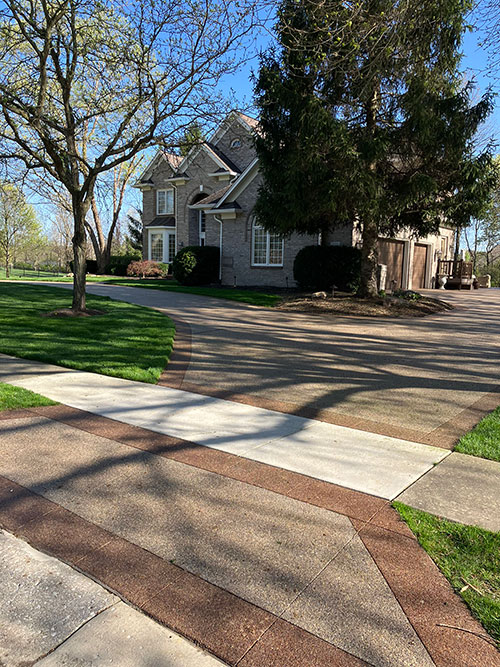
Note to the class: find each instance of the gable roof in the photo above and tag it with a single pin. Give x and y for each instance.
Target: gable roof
(171, 159)
(212, 198)
(222, 161)
(248, 123)
(228, 164)
(227, 196)
(239, 184)
(179, 163)
(251, 122)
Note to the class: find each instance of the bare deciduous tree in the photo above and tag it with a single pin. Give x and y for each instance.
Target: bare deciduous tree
(138, 74)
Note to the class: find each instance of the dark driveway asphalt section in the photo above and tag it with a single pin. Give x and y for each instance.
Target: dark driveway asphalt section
(424, 379)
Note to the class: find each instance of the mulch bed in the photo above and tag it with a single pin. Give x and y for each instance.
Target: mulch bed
(347, 304)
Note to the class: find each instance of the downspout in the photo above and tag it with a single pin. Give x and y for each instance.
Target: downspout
(220, 247)
(174, 187)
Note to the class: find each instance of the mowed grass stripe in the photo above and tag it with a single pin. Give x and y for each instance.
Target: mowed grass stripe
(127, 341)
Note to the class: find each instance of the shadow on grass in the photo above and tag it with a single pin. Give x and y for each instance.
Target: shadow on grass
(128, 341)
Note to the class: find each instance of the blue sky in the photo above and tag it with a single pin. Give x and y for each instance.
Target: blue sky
(474, 65)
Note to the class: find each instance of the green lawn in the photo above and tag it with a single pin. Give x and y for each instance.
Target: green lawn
(469, 557)
(233, 294)
(46, 276)
(484, 439)
(126, 341)
(12, 398)
(19, 274)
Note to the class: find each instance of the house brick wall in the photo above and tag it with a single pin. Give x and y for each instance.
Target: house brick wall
(237, 248)
(243, 155)
(187, 220)
(159, 176)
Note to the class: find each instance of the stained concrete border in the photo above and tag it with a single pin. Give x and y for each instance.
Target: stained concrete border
(144, 578)
(221, 622)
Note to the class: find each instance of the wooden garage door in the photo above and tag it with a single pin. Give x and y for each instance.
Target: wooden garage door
(391, 253)
(419, 266)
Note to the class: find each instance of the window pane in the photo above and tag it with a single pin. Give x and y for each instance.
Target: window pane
(161, 202)
(157, 247)
(275, 249)
(259, 245)
(171, 247)
(170, 201)
(165, 202)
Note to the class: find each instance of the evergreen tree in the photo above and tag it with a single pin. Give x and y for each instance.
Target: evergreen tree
(134, 236)
(193, 136)
(364, 120)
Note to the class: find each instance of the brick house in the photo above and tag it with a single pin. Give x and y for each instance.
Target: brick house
(208, 197)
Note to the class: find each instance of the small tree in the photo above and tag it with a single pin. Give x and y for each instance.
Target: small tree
(134, 225)
(19, 227)
(364, 121)
(86, 86)
(193, 136)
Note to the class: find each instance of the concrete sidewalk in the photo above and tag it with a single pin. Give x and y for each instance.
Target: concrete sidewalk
(52, 615)
(260, 566)
(462, 488)
(370, 463)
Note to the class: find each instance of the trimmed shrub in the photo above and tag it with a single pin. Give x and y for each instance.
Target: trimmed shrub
(196, 265)
(321, 267)
(118, 264)
(24, 266)
(147, 269)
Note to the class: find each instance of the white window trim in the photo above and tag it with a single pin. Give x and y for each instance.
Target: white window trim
(166, 233)
(158, 212)
(268, 248)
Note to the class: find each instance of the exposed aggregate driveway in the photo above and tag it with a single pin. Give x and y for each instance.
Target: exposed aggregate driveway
(423, 379)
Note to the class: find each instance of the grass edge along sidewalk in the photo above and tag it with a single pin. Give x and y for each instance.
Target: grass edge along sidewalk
(17, 398)
(126, 341)
(484, 439)
(468, 556)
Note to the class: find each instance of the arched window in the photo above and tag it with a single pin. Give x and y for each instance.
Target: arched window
(267, 248)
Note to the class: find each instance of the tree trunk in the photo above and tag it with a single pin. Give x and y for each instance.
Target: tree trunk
(457, 242)
(369, 260)
(79, 259)
(7, 262)
(369, 236)
(101, 252)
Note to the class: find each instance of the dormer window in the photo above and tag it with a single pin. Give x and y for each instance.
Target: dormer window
(236, 143)
(165, 202)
